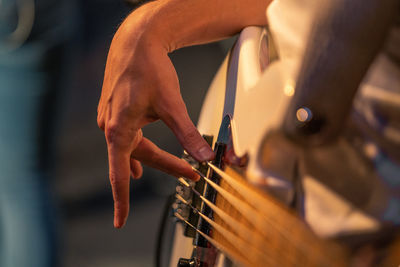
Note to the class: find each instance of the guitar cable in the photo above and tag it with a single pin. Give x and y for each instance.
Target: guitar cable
(161, 230)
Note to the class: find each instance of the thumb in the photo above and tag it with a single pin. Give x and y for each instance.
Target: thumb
(179, 122)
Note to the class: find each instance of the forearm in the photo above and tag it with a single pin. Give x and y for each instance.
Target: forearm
(177, 23)
(341, 47)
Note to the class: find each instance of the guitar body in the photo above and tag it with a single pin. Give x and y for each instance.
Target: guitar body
(242, 112)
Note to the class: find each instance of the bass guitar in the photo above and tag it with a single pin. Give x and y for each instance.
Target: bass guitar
(231, 217)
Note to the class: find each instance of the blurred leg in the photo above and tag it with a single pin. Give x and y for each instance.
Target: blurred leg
(29, 83)
(27, 217)
(28, 234)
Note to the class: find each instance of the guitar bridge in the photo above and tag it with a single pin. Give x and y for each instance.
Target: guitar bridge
(189, 196)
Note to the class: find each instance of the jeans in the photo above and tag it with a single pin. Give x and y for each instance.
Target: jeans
(27, 224)
(29, 85)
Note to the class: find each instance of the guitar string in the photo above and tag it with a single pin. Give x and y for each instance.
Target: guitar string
(312, 243)
(250, 212)
(251, 196)
(240, 243)
(255, 199)
(242, 229)
(245, 209)
(237, 242)
(251, 234)
(230, 253)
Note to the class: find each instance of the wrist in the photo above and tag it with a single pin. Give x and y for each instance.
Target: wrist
(160, 23)
(168, 24)
(141, 28)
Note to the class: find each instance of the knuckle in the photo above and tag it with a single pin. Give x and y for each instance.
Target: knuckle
(191, 137)
(112, 133)
(139, 135)
(100, 122)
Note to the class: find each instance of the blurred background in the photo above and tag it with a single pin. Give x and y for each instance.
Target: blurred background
(79, 180)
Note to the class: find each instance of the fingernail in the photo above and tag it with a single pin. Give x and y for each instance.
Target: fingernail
(197, 177)
(116, 224)
(205, 153)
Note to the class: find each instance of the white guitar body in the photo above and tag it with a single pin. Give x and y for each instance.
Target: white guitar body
(254, 89)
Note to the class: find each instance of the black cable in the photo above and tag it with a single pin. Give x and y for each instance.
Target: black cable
(161, 229)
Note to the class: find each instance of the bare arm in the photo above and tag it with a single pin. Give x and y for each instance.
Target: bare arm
(339, 52)
(201, 21)
(141, 86)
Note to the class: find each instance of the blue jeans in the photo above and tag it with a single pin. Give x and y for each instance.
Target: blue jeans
(29, 79)
(27, 224)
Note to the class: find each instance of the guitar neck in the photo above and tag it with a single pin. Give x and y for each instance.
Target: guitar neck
(272, 235)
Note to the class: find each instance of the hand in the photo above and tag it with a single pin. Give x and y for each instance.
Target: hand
(141, 86)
